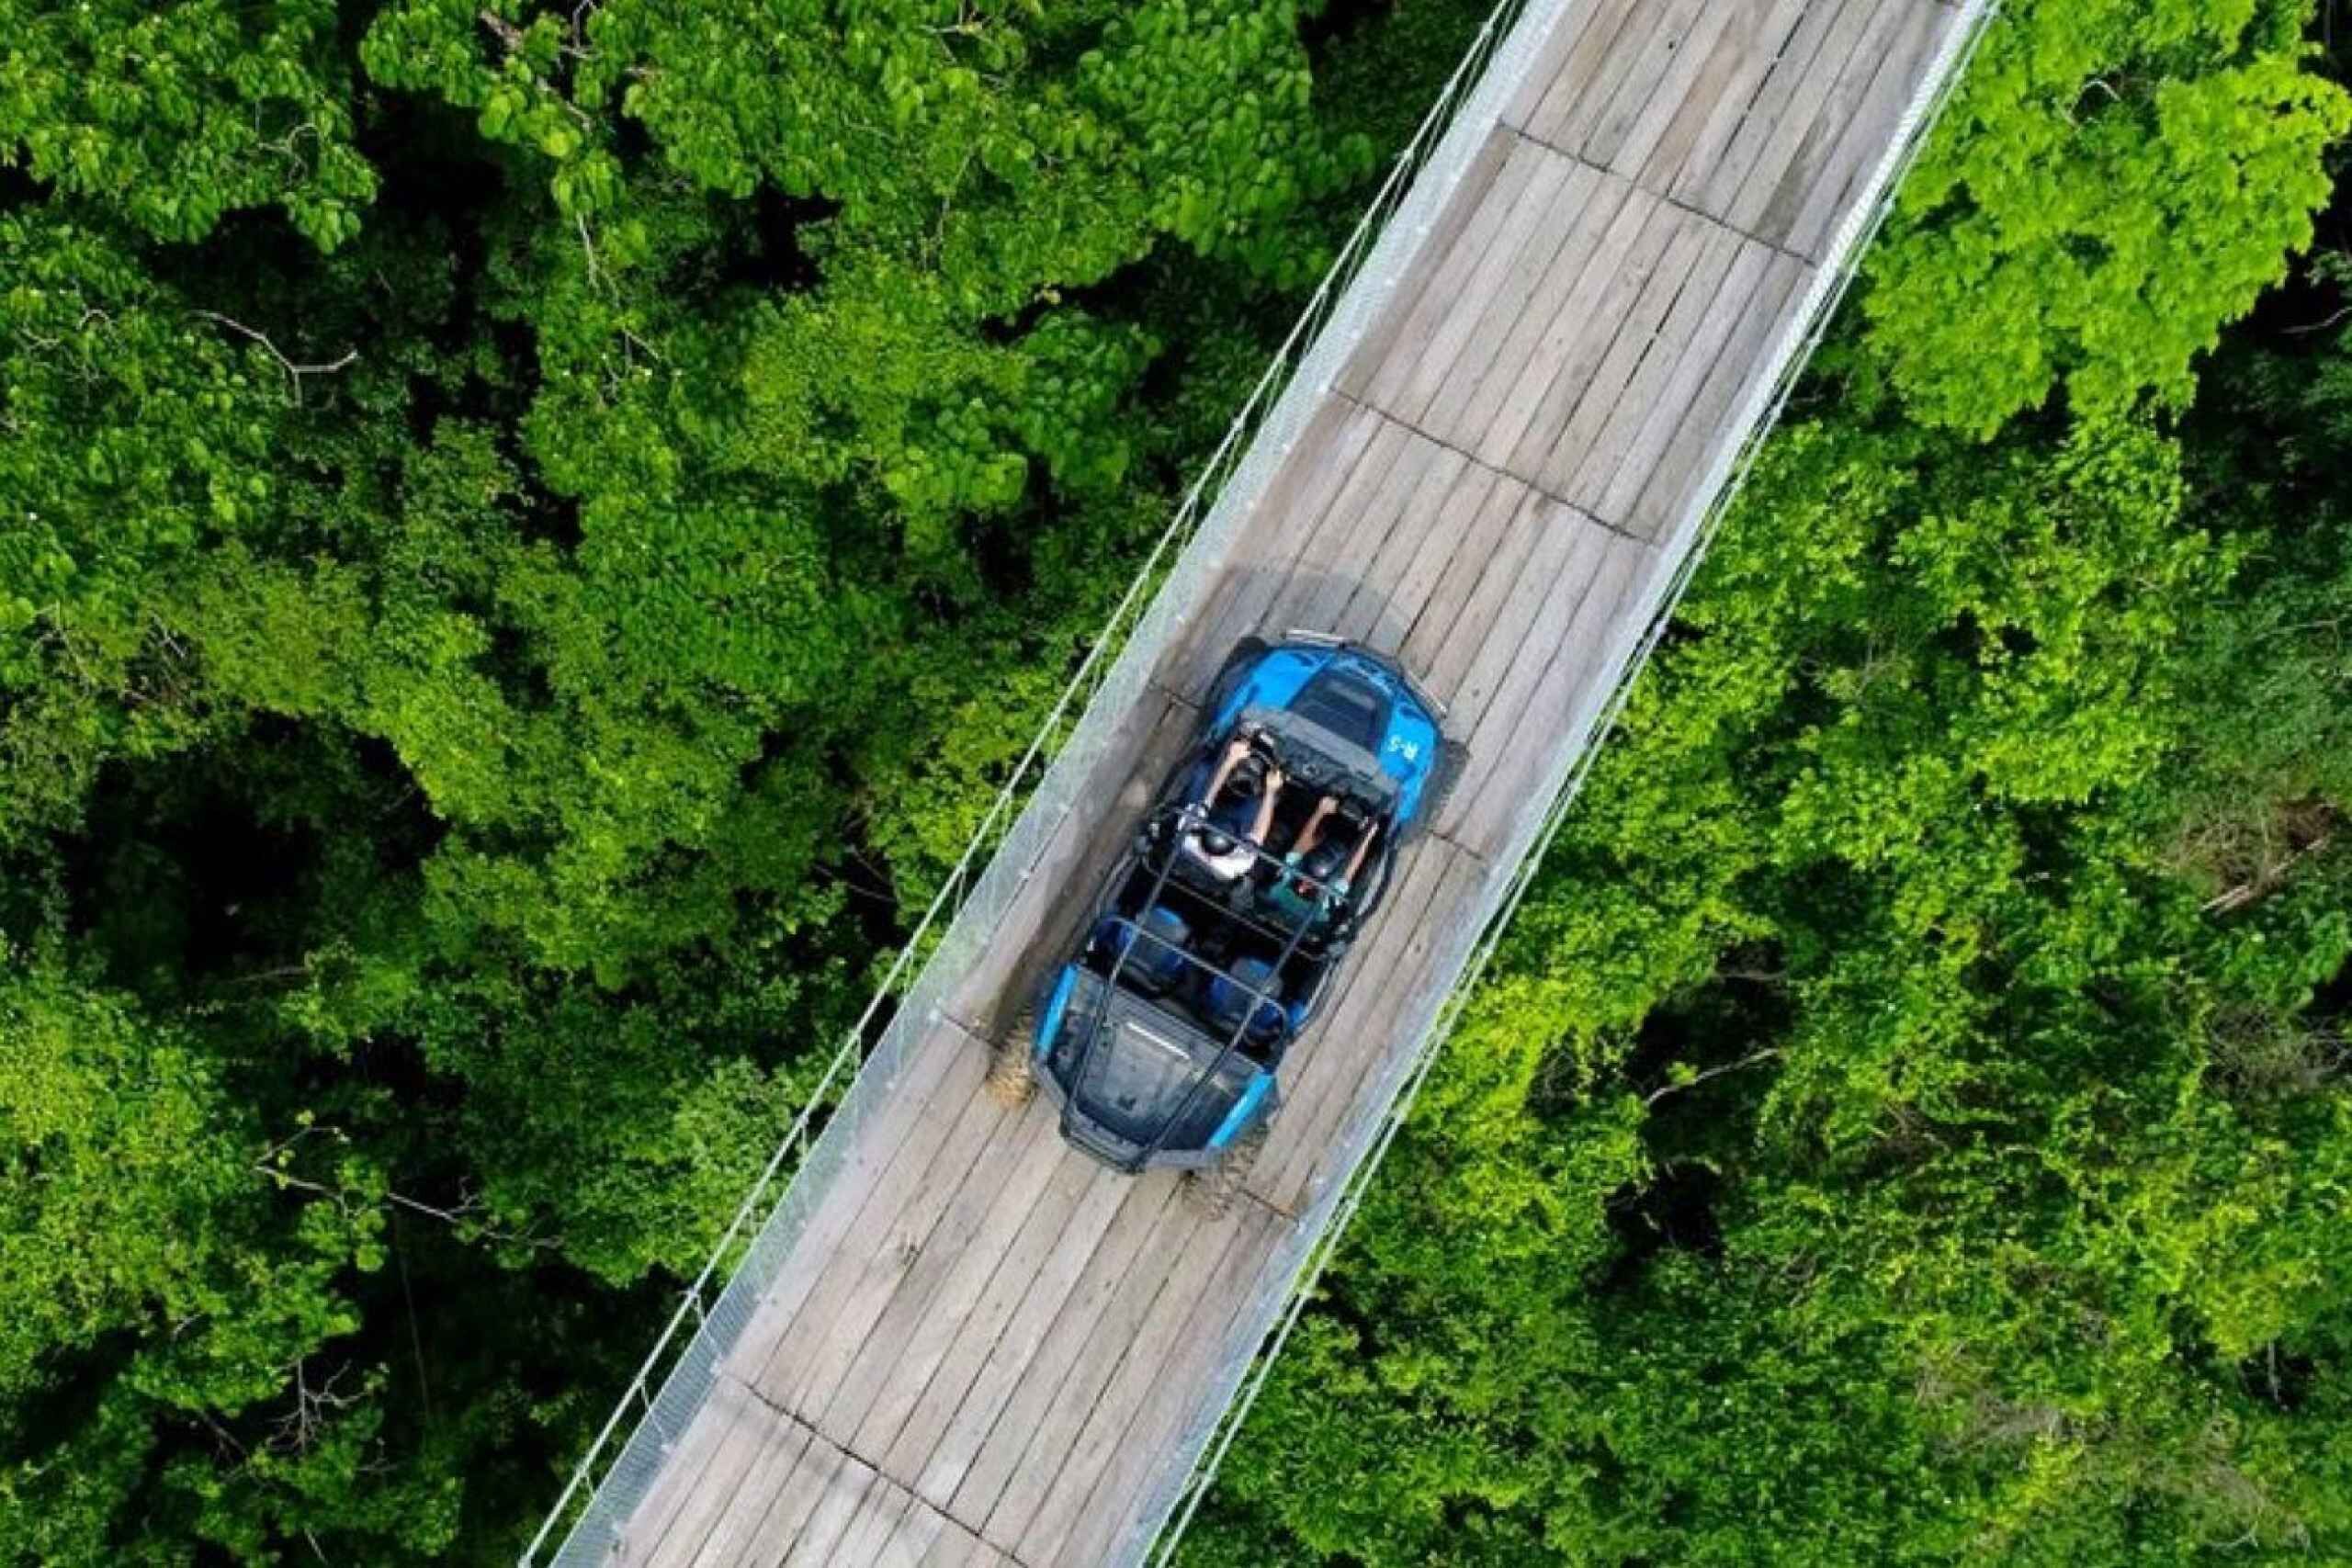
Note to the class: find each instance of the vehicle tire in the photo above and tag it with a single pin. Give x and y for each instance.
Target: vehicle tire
(1212, 1192)
(1453, 758)
(1012, 1076)
(1228, 674)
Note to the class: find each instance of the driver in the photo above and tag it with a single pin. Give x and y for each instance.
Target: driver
(1235, 809)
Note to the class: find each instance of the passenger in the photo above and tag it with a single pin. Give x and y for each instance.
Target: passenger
(1319, 870)
(1239, 807)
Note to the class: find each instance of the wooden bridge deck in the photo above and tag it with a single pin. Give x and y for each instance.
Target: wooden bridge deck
(985, 1348)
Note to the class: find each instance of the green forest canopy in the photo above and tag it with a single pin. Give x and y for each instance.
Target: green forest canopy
(474, 472)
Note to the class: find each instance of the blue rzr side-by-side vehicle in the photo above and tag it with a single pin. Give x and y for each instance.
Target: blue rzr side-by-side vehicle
(1213, 941)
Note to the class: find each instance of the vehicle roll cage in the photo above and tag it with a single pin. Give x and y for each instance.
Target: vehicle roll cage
(1184, 817)
(1181, 815)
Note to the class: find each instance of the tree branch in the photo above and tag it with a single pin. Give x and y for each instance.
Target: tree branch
(1695, 1079)
(294, 372)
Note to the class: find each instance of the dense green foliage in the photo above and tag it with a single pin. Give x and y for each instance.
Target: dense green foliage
(528, 534)
(1909, 1120)
(532, 530)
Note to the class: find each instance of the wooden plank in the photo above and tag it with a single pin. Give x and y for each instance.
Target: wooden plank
(1713, 183)
(959, 1547)
(930, 1072)
(1643, 68)
(1410, 514)
(1485, 819)
(1704, 296)
(1407, 571)
(1142, 1328)
(1559, 366)
(873, 1212)
(1729, 85)
(1667, 407)
(1563, 441)
(1521, 642)
(953, 1263)
(1581, 72)
(879, 1252)
(748, 1501)
(1103, 1310)
(1183, 1340)
(1473, 661)
(918, 1528)
(1690, 453)
(1494, 327)
(1445, 231)
(1254, 577)
(848, 1483)
(816, 1472)
(1868, 133)
(1567, 31)
(696, 1477)
(1022, 1302)
(1701, 70)
(990, 1273)
(1774, 189)
(1443, 657)
(1279, 526)
(749, 1444)
(1494, 544)
(739, 1422)
(1452, 270)
(876, 1521)
(1019, 1378)
(1528, 237)
(1467, 404)
(1371, 501)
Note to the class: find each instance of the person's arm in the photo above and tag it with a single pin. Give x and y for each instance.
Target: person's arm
(1312, 834)
(1235, 749)
(1364, 852)
(1265, 822)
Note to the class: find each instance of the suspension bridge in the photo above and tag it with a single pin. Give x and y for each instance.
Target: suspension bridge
(1495, 446)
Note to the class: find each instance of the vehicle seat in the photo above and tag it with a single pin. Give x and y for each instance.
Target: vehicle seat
(1226, 1001)
(1158, 961)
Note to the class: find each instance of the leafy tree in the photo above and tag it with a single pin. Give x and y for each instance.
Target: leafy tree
(474, 477)
(2113, 183)
(177, 116)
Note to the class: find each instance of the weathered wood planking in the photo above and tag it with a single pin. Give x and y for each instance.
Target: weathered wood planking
(985, 1351)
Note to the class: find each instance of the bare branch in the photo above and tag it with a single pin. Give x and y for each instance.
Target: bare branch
(1695, 1079)
(2323, 326)
(465, 1215)
(294, 372)
(295, 1431)
(2245, 893)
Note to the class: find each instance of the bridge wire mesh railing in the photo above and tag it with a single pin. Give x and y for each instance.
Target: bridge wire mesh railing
(1323, 1229)
(677, 1375)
